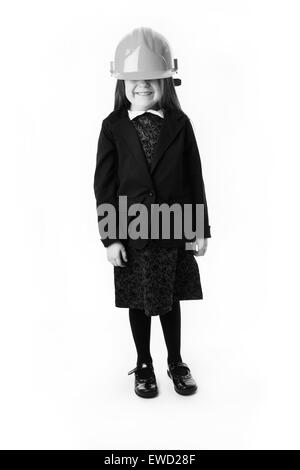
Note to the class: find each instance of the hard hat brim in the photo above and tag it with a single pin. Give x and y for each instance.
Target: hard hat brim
(142, 76)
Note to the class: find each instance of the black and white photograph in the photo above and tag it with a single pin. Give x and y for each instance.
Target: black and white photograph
(150, 231)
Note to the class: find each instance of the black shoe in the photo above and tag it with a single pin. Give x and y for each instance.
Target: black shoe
(182, 378)
(145, 381)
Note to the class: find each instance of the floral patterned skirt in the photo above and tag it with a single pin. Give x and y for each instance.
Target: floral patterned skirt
(155, 277)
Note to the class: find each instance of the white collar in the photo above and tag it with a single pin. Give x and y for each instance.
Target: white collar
(133, 114)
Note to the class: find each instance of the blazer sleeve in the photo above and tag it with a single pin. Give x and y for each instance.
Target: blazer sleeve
(105, 177)
(195, 174)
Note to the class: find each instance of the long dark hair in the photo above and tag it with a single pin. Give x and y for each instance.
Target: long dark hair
(169, 98)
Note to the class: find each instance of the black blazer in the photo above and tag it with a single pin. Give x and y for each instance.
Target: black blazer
(175, 174)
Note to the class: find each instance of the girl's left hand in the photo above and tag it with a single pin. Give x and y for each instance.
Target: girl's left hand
(201, 247)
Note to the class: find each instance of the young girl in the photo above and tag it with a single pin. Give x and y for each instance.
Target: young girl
(147, 151)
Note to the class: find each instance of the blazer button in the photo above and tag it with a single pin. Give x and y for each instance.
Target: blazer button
(150, 193)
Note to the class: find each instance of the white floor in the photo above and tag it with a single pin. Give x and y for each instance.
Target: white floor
(69, 389)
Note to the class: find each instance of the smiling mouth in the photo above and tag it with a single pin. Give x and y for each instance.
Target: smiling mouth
(144, 93)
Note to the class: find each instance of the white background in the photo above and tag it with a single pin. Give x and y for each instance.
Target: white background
(65, 348)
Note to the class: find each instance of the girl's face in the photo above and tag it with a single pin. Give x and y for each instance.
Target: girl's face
(142, 94)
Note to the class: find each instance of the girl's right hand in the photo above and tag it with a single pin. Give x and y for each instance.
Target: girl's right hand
(116, 253)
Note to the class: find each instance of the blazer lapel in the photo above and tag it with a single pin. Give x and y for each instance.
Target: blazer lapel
(169, 130)
(125, 129)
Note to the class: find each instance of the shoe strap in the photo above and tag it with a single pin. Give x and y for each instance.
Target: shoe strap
(144, 365)
(172, 365)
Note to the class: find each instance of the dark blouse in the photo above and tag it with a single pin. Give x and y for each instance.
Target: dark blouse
(148, 127)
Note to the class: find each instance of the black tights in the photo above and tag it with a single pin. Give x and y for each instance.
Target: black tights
(141, 329)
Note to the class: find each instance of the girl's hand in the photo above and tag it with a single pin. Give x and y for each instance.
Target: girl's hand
(116, 253)
(202, 246)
